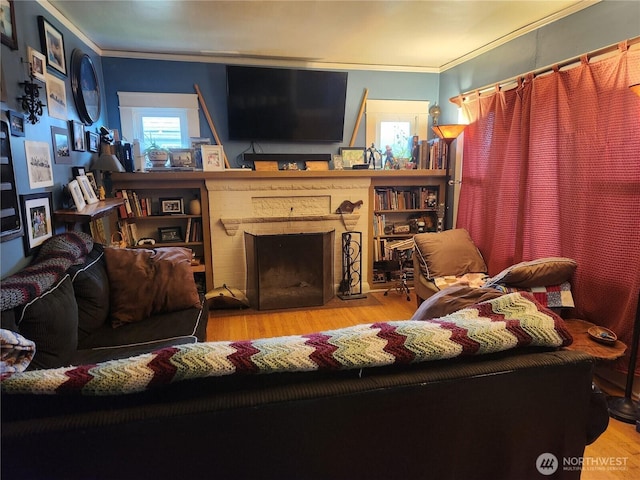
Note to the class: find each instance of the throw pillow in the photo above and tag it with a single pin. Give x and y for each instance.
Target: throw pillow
(535, 273)
(143, 282)
(452, 299)
(451, 252)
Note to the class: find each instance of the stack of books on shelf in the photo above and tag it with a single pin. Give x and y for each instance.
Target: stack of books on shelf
(193, 233)
(134, 205)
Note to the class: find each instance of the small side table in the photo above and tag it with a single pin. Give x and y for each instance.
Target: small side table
(584, 343)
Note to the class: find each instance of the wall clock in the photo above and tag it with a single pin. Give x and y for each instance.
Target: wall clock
(85, 87)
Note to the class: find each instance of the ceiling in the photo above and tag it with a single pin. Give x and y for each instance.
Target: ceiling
(404, 35)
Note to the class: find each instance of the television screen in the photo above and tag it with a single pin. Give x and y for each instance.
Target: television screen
(287, 105)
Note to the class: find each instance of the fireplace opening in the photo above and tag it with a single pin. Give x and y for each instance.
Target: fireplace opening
(289, 270)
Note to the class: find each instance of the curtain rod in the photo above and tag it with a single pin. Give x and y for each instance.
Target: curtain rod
(547, 69)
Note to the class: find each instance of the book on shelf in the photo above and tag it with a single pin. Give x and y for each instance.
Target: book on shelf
(187, 234)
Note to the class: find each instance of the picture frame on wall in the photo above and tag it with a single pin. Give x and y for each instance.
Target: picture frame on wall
(93, 142)
(85, 87)
(8, 24)
(87, 190)
(52, 43)
(16, 121)
(60, 141)
(39, 165)
(76, 194)
(77, 131)
(212, 158)
(37, 63)
(56, 97)
(37, 211)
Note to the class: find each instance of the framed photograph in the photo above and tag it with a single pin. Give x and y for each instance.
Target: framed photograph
(92, 181)
(77, 130)
(37, 209)
(93, 142)
(60, 140)
(171, 206)
(338, 163)
(77, 171)
(352, 156)
(8, 24)
(181, 157)
(38, 164)
(56, 97)
(76, 194)
(87, 190)
(170, 234)
(212, 158)
(196, 143)
(52, 44)
(37, 64)
(16, 121)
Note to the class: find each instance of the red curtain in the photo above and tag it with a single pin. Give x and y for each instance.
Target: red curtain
(552, 168)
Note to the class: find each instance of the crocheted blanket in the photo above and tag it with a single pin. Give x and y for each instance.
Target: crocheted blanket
(54, 258)
(511, 321)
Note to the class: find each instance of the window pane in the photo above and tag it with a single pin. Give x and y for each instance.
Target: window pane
(165, 131)
(398, 136)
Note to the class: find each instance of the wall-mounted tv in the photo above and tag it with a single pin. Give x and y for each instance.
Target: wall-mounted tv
(285, 105)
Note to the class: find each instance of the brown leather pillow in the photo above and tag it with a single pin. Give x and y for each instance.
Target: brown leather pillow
(451, 252)
(536, 273)
(143, 282)
(452, 299)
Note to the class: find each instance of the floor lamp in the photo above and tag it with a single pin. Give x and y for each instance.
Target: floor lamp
(448, 133)
(625, 408)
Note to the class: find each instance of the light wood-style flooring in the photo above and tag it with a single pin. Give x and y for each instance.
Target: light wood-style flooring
(620, 441)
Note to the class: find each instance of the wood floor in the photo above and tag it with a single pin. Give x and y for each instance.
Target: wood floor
(620, 443)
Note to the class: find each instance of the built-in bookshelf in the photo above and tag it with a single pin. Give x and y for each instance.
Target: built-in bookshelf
(401, 209)
(159, 212)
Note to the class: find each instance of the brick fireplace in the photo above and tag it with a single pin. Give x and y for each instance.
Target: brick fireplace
(285, 203)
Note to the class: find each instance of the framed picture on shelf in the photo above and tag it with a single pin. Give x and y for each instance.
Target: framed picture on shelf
(196, 143)
(36, 214)
(36, 64)
(92, 181)
(93, 142)
(38, 164)
(76, 194)
(181, 157)
(8, 25)
(171, 206)
(352, 156)
(212, 158)
(16, 121)
(87, 190)
(60, 140)
(170, 234)
(52, 46)
(77, 130)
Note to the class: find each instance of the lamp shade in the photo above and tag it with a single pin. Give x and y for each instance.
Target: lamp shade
(107, 163)
(448, 132)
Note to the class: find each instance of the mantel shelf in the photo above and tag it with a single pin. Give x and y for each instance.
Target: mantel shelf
(231, 225)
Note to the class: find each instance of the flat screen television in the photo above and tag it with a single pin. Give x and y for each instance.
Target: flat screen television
(285, 105)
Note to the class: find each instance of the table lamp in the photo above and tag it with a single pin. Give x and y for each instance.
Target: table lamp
(107, 163)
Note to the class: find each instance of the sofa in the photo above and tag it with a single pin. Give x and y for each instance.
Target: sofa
(486, 391)
(81, 303)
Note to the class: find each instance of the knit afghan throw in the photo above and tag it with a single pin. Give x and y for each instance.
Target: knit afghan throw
(54, 258)
(511, 321)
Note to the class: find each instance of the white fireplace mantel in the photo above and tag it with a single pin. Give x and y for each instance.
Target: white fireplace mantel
(232, 225)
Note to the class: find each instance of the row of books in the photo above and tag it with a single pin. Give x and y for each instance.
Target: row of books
(430, 154)
(193, 233)
(129, 231)
(134, 205)
(406, 199)
(384, 250)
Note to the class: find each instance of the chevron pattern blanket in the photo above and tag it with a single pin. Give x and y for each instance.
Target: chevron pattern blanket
(511, 321)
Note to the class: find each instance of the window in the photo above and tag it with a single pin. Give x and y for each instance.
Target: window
(394, 123)
(168, 119)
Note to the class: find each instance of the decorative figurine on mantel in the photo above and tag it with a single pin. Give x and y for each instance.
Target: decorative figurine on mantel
(373, 156)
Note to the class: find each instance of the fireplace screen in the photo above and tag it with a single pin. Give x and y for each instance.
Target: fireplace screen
(291, 270)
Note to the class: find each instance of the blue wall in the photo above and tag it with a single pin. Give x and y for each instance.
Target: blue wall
(133, 75)
(600, 25)
(14, 71)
